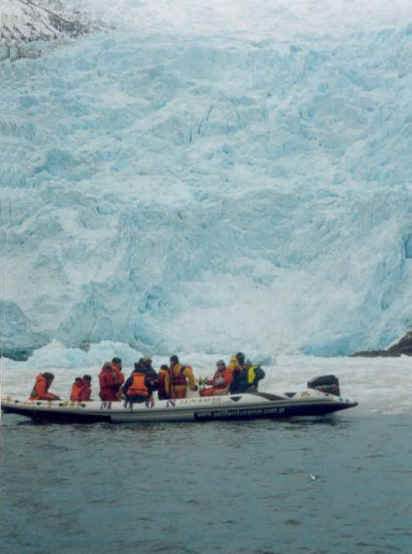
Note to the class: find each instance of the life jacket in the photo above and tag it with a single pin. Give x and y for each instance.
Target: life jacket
(255, 374)
(86, 392)
(138, 387)
(41, 384)
(108, 385)
(228, 375)
(162, 388)
(178, 377)
(251, 375)
(76, 393)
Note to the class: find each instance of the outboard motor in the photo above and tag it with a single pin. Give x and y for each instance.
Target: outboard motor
(325, 383)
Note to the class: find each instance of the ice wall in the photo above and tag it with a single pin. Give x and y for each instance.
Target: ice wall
(208, 193)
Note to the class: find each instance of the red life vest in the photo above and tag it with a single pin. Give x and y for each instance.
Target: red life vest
(86, 392)
(138, 387)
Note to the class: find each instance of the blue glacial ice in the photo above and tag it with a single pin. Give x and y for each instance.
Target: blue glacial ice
(208, 193)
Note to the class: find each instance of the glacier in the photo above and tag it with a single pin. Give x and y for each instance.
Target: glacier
(190, 182)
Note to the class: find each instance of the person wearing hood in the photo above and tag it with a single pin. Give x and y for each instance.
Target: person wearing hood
(41, 388)
(141, 383)
(109, 385)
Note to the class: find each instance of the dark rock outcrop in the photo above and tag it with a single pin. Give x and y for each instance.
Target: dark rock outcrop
(403, 347)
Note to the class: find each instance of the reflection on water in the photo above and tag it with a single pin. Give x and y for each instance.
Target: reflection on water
(337, 484)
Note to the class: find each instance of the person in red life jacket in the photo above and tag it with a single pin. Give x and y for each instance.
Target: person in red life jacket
(86, 391)
(138, 387)
(117, 368)
(108, 381)
(181, 378)
(221, 381)
(75, 395)
(41, 388)
(163, 390)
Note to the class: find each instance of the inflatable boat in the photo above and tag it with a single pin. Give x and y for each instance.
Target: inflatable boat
(321, 397)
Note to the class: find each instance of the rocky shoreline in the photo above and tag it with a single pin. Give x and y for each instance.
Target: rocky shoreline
(401, 348)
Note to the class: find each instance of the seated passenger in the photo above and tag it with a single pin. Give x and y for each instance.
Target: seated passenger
(163, 390)
(117, 368)
(109, 384)
(221, 381)
(245, 376)
(75, 395)
(138, 387)
(41, 388)
(152, 376)
(181, 378)
(86, 389)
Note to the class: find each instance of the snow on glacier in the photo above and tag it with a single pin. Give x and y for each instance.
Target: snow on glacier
(207, 193)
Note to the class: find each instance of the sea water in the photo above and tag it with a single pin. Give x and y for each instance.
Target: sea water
(341, 484)
(338, 484)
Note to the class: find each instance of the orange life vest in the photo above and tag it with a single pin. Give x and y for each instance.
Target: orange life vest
(138, 387)
(76, 394)
(164, 379)
(228, 375)
(41, 384)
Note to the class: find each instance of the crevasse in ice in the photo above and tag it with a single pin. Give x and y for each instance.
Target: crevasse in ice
(208, 193)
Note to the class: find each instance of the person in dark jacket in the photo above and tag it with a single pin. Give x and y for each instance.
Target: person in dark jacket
(142, 382)
(245, 375)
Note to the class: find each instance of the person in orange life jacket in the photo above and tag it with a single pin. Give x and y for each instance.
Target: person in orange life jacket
(221, 381)
(108, 381)
(181, 377)
(139, 386)
(163, 390)
(117, 368)
(86, 391)
(75, 395)
(41, 388)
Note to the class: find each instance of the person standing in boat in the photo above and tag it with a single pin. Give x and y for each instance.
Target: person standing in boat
(117, 368)
(181, 378)
(41, 388)
(108, 380)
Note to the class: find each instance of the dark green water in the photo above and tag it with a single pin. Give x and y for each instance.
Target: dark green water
(208, 488)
